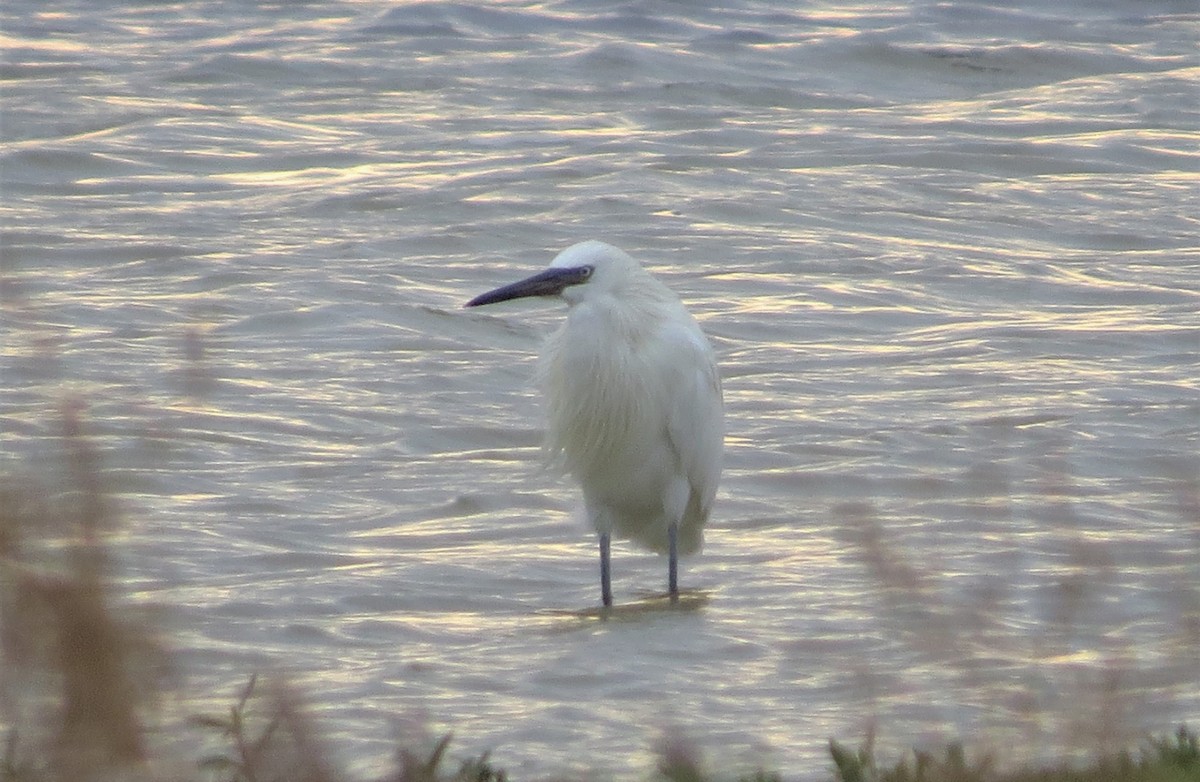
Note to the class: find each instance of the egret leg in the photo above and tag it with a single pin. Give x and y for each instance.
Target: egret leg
(673, 561)
(605, 572)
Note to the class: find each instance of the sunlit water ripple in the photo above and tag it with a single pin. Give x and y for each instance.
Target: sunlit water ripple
(947, 253)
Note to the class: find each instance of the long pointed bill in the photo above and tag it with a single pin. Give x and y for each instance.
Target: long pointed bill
(547, 283)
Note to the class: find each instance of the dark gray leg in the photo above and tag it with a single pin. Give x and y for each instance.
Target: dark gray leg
(605, 573)
(673, 561)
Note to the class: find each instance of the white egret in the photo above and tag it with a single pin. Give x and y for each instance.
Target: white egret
(633, 402)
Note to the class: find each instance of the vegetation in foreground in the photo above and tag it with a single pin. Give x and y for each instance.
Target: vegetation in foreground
(1167, 759)
(280, 747)
(81, 674)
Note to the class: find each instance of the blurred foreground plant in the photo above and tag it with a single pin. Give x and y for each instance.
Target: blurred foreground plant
(274, 742)
(269, 738)
(78, 671)
(1173, 759)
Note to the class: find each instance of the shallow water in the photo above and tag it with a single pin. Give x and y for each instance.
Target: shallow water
(947, 253)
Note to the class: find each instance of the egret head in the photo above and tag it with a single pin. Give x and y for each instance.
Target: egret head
(582, 269)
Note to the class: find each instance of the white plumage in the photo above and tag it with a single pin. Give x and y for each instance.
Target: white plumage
(633, 401)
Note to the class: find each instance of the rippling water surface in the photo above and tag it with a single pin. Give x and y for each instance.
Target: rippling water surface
(947, 253)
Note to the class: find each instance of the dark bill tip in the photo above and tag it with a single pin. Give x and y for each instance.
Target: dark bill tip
(546, 283)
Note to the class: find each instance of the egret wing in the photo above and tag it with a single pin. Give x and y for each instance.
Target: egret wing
(695, 417)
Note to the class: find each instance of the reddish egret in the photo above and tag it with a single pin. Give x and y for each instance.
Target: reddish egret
(633, 402)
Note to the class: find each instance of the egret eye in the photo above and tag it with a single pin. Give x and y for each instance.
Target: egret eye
(586, 271)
